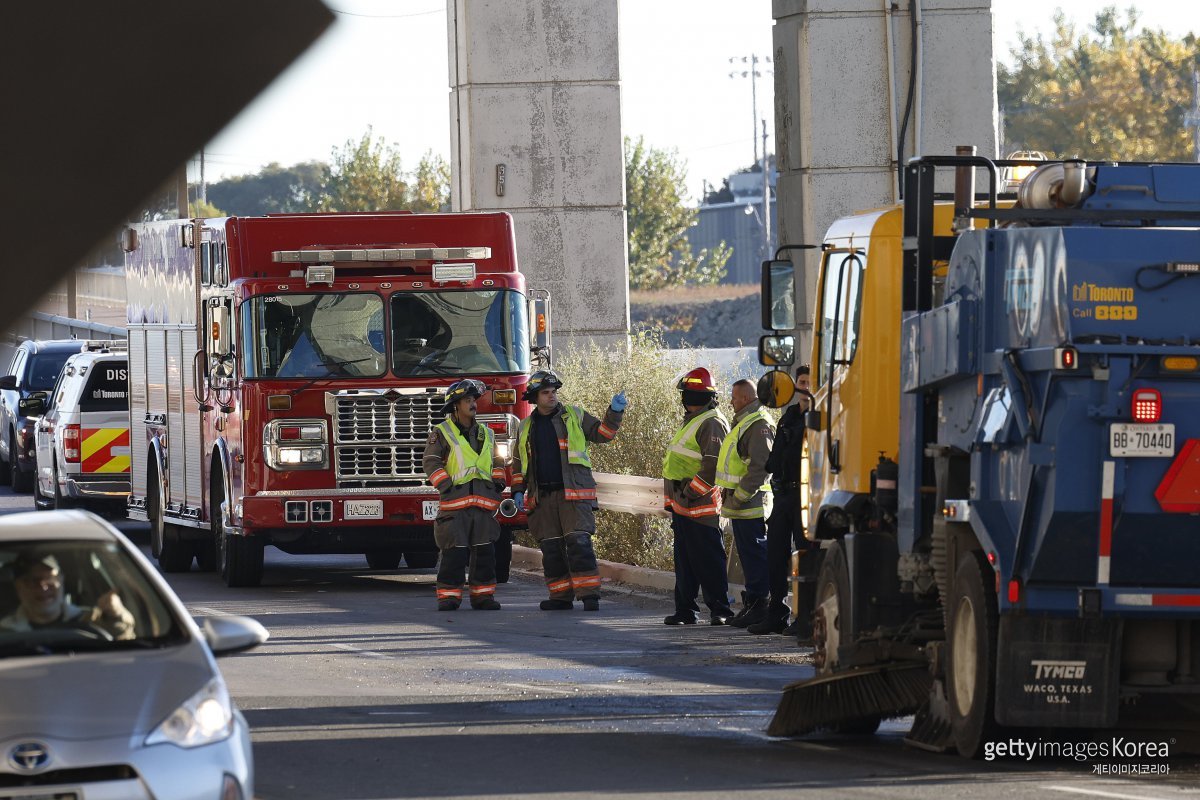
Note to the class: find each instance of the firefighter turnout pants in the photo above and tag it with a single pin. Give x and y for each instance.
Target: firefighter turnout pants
(452, 572)
(563, 530)
(699, 567)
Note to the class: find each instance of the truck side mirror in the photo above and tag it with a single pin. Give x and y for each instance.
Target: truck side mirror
(778, 295)
(540, 312)
(777, 351)
(32, 406)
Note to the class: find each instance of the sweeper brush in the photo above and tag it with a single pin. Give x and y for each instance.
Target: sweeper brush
(847, 700)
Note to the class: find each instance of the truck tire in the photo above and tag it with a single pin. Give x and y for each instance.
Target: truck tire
(971, 668)
(239, 558)
(420, 559)
(383, 559)
(19, 480)
(173, 554)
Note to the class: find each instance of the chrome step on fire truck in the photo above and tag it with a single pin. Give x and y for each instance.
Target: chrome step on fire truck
(285, 372)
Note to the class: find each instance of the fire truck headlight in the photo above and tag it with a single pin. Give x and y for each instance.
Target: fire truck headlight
(504, 451)
(301, 455)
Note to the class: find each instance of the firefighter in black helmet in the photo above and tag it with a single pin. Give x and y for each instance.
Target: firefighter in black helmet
(552, 479)
(461, 463)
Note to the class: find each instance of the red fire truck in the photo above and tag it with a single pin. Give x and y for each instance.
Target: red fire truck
(285, 371)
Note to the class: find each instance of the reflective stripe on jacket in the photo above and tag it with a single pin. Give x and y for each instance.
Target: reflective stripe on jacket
(684, 457)
(574, 428)
(463, 476)
(692, 492)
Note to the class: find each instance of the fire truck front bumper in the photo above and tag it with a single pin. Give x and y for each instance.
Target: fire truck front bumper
(416, 506)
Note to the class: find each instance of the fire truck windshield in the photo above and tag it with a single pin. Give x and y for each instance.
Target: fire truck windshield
(331, 335)
(455, 332)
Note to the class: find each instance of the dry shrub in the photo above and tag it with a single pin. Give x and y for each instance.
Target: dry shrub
(591, 376)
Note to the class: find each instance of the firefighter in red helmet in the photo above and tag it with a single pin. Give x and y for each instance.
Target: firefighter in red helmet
(552, 480)
(461, 463)
(694, 500)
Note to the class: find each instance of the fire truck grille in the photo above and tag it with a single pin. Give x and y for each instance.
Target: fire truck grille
(379, 438)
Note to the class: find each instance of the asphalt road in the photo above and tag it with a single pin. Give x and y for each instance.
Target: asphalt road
(366, 691)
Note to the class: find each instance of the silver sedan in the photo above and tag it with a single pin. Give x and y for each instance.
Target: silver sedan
(110, 689)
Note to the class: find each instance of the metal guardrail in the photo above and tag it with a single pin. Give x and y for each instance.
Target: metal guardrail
(632, 494)
(36, 325)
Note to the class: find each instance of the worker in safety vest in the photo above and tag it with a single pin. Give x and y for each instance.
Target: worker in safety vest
(552, 481)
(461, 463)
(689, 477)
(742, 476)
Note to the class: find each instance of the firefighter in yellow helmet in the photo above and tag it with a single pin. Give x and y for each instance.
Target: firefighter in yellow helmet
(461, 463)
(552, 480)
(694, 500)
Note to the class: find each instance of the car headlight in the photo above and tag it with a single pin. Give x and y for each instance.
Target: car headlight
(204, 718)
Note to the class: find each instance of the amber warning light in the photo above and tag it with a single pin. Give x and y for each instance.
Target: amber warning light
(1147, 405)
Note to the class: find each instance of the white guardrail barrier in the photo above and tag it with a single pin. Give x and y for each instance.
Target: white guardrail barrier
(632, 494)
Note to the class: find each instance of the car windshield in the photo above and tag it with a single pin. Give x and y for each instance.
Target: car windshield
(43, 370)
(330, 335)
(447, 333)
(78, 595)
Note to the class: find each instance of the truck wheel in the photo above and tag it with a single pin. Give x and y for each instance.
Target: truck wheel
(833, 595)
(239, 558)
(206, 555)
(41, 502)
(19, 481)
(173, 554)
(383, 559)
(420, 559)
(971, 672)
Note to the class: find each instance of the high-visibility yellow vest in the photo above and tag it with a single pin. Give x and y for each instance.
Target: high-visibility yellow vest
(464, 464)
(576, 441)
(683, 457)
(730, 464)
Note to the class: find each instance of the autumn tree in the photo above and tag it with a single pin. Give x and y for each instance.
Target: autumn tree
(274, 189)
(1105, 93)
(365, 176)
(658, 219)
(429, 186)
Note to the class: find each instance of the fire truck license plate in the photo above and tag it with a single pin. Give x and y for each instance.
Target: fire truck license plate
(363, 509)
(429, 509)
(1133, 440)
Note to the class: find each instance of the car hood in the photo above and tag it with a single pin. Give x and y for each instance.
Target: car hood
(95, 695)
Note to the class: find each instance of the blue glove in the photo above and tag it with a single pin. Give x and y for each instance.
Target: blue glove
(619, 402)
(519, 499)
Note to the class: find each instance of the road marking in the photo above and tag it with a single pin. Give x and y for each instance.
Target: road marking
(212, 612)
(1098, 793)
(349, 648)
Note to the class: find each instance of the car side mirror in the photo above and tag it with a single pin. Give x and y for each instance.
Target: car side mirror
(232, 634)
(32, 406)
(812, 420)
(8, 382)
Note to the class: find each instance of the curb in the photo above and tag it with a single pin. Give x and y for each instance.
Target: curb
(654, 580)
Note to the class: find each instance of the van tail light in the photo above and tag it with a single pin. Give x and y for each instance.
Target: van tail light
(71, 444)
(1147, 405)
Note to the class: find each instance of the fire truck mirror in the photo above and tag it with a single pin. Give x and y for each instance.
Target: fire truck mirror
(540, 311)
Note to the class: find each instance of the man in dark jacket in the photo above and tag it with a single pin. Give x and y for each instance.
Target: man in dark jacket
(461, 463)
(552, 480)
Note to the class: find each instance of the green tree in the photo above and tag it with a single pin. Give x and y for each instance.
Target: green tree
(365, 176)
(1106, 93)
(659, 252)
(274, 189)
(429, 188)
(198, 208)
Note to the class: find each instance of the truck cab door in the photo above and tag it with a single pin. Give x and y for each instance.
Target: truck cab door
(839, 303)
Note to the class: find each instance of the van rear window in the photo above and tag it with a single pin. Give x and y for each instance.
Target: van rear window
(107, 387)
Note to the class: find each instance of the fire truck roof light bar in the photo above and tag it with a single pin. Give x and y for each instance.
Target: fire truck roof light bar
(379, 254)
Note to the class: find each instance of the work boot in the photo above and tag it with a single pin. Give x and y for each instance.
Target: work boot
(768, 625)
(556, 605)
(720, 619)
(680, 618)
(591, 604)
(742, 611)
(486, 603)
(754, 611)
(449, 604)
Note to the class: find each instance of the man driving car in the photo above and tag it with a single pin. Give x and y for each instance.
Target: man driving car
(38, 581)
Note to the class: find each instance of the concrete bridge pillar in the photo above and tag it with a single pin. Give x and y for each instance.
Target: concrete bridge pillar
(842, 77)
(536, 131)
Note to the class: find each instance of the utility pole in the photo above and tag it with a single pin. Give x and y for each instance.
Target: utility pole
(203, 185)
(767, 254)
(181, 192)
(752, 73)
